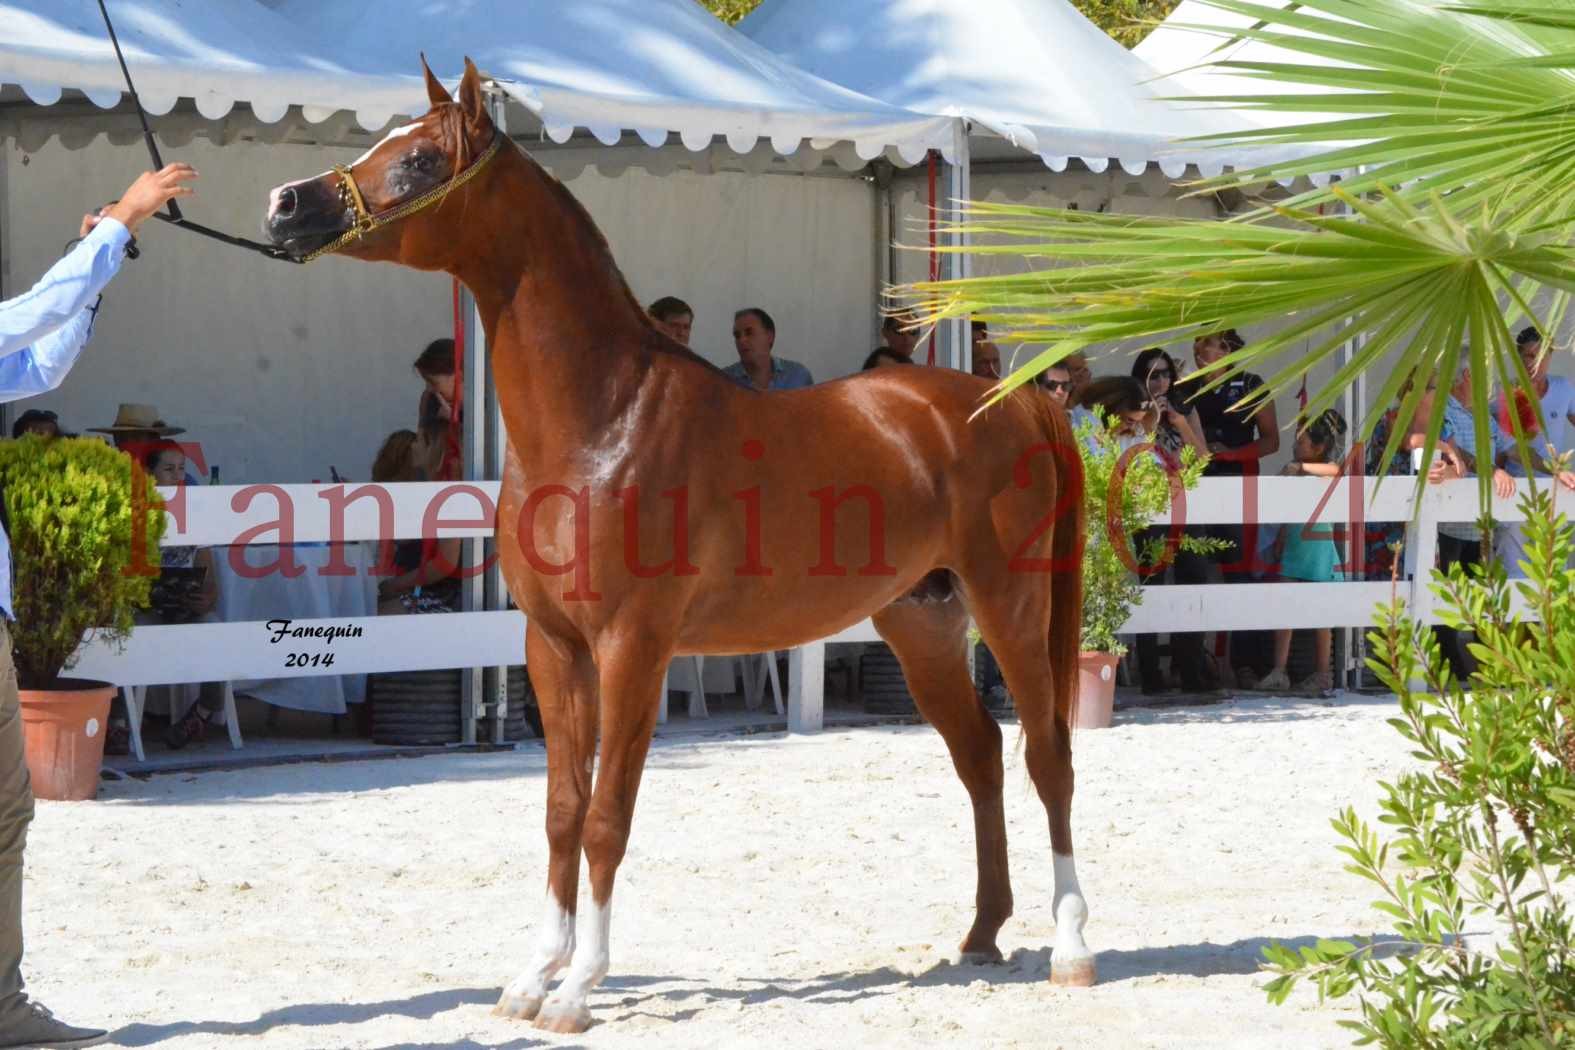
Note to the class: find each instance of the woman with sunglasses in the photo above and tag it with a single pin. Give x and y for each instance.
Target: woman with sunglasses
(1140, 410)
(1158, 372)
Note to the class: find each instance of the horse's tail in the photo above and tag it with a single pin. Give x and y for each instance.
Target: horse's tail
(1066, 560)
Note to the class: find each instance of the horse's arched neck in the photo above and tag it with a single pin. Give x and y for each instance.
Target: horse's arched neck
(561, 321)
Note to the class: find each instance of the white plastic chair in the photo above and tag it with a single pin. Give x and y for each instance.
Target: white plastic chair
(755, 682)
(136, 697)
(697, 708)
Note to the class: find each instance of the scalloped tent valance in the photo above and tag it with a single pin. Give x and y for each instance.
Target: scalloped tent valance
(651, 67)
(217, 53)
(1034, 72)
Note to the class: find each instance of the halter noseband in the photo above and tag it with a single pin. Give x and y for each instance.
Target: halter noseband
(365, 221)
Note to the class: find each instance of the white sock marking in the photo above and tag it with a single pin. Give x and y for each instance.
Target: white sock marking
(554, 948)
(1071, 913)
(591, 958)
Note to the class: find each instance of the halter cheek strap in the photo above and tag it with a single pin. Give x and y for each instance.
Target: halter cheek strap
(366, 221)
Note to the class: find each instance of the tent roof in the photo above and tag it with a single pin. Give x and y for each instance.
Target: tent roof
(215, 52)
(648, 66)
(1184, 54)
(1035, 72)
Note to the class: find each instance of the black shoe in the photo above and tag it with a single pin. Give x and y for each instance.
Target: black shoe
(193, 727)
(35, 1028)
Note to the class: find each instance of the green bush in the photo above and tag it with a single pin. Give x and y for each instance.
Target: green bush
(1474, 872)
(77, 508)
(1119, 507)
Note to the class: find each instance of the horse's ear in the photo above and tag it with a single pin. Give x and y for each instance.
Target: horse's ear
(471, 100)
(437, 94)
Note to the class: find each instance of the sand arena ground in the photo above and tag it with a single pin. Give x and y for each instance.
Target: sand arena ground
(779, 891)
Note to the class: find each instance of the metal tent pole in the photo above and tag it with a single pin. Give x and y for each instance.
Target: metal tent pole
(958, 342)
(479, 685)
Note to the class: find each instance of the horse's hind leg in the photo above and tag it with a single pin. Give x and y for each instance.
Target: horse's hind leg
(565, 682)
(1014, 623)
(931, 639)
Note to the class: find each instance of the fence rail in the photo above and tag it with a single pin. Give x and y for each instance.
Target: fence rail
(275, 514)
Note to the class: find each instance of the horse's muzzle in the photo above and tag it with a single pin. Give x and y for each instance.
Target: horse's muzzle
(303, 216)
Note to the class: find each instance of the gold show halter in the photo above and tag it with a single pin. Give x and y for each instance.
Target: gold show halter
(366, 221)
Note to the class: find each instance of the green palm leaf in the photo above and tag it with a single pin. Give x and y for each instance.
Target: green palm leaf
(1452, 128)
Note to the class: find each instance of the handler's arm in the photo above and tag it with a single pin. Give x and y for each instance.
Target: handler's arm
(63, 294)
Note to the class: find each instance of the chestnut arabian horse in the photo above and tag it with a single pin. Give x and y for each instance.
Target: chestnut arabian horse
(650, 508)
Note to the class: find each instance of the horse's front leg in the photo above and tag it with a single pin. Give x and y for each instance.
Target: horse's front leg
(631, 674)
(565, 682)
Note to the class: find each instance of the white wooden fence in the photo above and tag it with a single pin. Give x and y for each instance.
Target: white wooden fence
(219, 515)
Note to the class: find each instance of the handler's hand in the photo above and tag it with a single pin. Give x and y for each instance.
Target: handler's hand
(148, 194)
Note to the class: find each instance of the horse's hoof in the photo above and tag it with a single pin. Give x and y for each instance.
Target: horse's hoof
(990, 956)
(562, 1019)
(1078, 973)
(517, 1007)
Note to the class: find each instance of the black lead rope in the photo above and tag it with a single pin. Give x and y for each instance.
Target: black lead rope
(174, 216)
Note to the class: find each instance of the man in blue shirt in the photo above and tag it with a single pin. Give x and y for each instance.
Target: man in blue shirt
(42, 331)
(754, 335)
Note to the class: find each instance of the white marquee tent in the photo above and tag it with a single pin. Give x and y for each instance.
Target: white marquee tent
(1036, 73)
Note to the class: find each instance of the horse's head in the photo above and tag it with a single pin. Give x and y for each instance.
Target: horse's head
(391, 192)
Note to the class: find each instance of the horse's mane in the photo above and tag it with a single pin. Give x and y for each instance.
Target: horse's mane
(659, 342)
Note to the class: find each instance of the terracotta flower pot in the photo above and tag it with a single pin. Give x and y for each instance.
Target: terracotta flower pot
(64, 733)
(1096, 690)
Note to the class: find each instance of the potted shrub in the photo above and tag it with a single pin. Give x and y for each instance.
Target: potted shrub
(1122, 494)
(78, 510)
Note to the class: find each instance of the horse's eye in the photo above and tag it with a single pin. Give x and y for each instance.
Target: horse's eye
(420, 161)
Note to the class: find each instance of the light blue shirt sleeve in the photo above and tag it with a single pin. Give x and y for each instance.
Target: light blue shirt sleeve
(43, 330)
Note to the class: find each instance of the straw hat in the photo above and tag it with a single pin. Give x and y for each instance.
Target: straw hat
(138, 418)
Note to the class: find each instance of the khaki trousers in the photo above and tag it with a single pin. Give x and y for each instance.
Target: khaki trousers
(16, 812)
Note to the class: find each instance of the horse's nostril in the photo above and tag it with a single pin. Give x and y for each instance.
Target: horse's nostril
(286, 206)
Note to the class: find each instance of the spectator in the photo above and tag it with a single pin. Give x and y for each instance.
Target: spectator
(754, 337)
(1309, 554)
(1460, 543)
(1077, 368)
(1158, 372)
(1057, 382)
(673, 316)
(986, 360)
(883, 357)
(138, 429)
(1384, 538)
(1137, 418)
(898, 339)
(1237, 443)
(1129, 413)
(36, 421)
(420, 575)
(435, 366)
(186, 591)
(983, 347)
(1556, 396)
